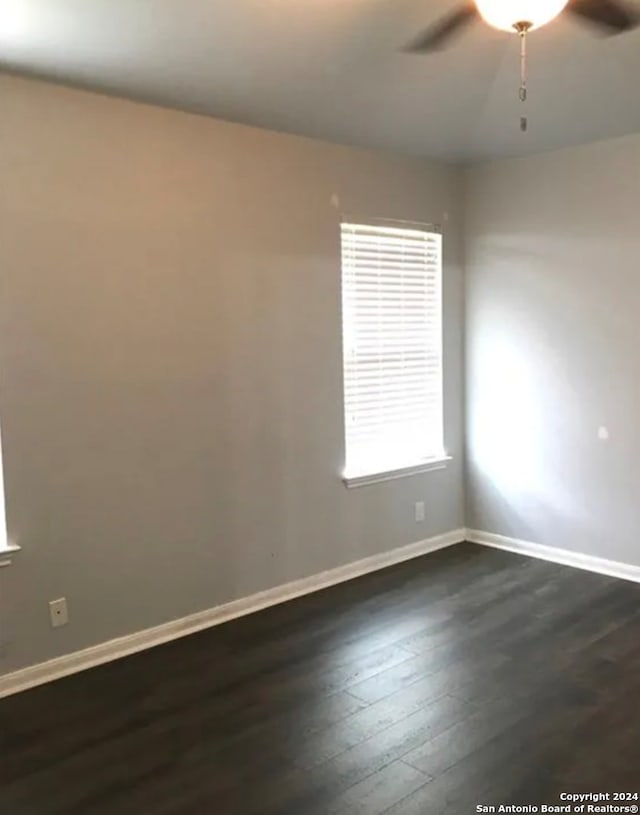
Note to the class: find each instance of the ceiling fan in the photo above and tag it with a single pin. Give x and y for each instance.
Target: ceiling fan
(610, 16)
(521, 17)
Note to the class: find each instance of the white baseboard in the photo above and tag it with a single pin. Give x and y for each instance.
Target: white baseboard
(578, 560)
(123, 646)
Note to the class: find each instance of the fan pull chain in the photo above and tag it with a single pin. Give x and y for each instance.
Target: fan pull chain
(524, 124)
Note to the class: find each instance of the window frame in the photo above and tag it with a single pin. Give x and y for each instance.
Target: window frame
(7, 548)
(422, 465)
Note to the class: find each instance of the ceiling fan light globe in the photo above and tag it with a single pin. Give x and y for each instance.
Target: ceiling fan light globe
(505, 14)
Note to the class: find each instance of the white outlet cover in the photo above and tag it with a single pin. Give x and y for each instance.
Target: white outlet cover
(58, 612)
(603, 433)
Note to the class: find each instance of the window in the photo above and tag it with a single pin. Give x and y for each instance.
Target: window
(6, 548)
(392, 349)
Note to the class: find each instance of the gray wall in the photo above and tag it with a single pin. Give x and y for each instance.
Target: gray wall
(170, 362)
(553, 348)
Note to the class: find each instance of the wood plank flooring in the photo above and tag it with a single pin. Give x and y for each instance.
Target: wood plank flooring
(465, 677)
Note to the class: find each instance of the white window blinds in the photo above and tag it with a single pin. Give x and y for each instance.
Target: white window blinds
(392, 347)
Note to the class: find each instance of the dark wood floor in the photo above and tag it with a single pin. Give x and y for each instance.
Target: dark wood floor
(469, 676)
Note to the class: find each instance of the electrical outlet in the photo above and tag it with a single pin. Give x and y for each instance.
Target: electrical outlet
(58, 612)
(419, 511)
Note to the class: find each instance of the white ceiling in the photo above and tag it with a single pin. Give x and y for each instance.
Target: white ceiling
(333, 69)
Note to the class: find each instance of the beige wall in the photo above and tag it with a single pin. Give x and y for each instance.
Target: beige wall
(170, 370)
(553, 309)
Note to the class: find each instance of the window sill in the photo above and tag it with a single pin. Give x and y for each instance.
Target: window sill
(390, 475)
(6, 554)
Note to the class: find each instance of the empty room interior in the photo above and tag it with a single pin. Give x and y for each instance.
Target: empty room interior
(319, 366)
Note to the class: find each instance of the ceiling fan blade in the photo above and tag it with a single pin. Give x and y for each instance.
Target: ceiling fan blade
(438, 35)
(612, 16)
